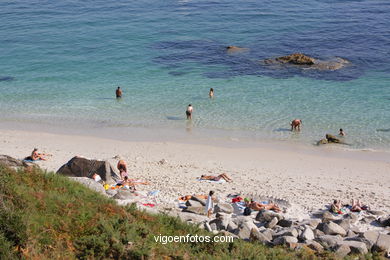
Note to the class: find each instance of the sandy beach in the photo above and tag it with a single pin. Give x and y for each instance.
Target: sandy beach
(307, 177)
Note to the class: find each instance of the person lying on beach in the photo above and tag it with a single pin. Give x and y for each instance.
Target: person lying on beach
(296, 124)
(336, 207)
(122, 168)
(35, 156)
(357, 206)
(188, 197)
(259, 206)
(128, 184)
(216, 178)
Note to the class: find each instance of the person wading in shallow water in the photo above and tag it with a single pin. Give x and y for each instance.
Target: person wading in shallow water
(296, 124)
(118, 92)
(189, 111)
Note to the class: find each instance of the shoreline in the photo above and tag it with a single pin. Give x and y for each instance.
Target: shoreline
(306, 178)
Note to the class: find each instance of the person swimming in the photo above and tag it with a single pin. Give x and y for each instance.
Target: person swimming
(189, 111)
(118, 92)
(341, 133)
(296, 124)
(211, 93)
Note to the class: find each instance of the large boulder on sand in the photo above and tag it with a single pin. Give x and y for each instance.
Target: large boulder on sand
(82, 167)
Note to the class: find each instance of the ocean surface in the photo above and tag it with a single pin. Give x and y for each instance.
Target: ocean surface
(61, 61)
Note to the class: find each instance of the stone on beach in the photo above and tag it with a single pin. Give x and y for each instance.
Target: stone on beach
(224, 207)
(356, 247)
(267, 215)
(283, 240)
(329, 241)
(256, 235)
(9, 161)
(332, 228)
(90, 183)
(307, 234)
(82, 167)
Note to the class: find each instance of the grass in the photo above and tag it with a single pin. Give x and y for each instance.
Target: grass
(46, 216)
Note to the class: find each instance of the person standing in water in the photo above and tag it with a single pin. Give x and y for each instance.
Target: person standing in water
(211, 93)
(118, 92)
(189, 111)
(296, 124)
(341, 133)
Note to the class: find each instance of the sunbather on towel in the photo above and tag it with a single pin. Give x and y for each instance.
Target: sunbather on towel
(35, 156)
(122, 168)
(188, 197)
(216, 178)
(357, 206)
(259, 206)
(336, 207)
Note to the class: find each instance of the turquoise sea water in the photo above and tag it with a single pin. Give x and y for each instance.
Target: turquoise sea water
(60, 62)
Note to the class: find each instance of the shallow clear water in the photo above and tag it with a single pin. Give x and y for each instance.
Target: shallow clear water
(60, 61)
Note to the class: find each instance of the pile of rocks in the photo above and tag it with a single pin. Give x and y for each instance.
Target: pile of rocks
(322, 232)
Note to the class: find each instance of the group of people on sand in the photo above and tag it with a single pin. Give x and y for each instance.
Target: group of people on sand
(356, 206)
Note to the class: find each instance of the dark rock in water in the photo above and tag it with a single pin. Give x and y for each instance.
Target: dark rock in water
(297, 59)
(332, 138)
(8, 161)
(6, 78)
(82, 167)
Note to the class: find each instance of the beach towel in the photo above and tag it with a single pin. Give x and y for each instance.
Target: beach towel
(211, 181)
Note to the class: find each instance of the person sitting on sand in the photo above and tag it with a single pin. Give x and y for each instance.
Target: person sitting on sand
(35, 156)
(128, 184)
(341, 133)
(259, 206)
(296, 124)
(336, 207)
(118, 92)
(122, 168)
(216, 178)
(357, 206)
(189, 111)
(211, 93)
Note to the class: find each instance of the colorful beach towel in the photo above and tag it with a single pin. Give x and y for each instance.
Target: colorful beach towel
(211, 181)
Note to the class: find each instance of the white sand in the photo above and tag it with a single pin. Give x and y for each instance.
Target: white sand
(308, 177)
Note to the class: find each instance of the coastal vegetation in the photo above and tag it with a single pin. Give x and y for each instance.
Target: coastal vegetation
(47, 216)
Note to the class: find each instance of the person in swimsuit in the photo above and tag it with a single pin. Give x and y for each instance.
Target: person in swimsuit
(122, 168)
(189, 111)
(210, 204)
(216, 178)
(357, 206)
(128, 184)
(211, 93)
(118, 92)
(259, 206)
(296, 124)
(336, 207)
(341, 133)
(35, 156)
